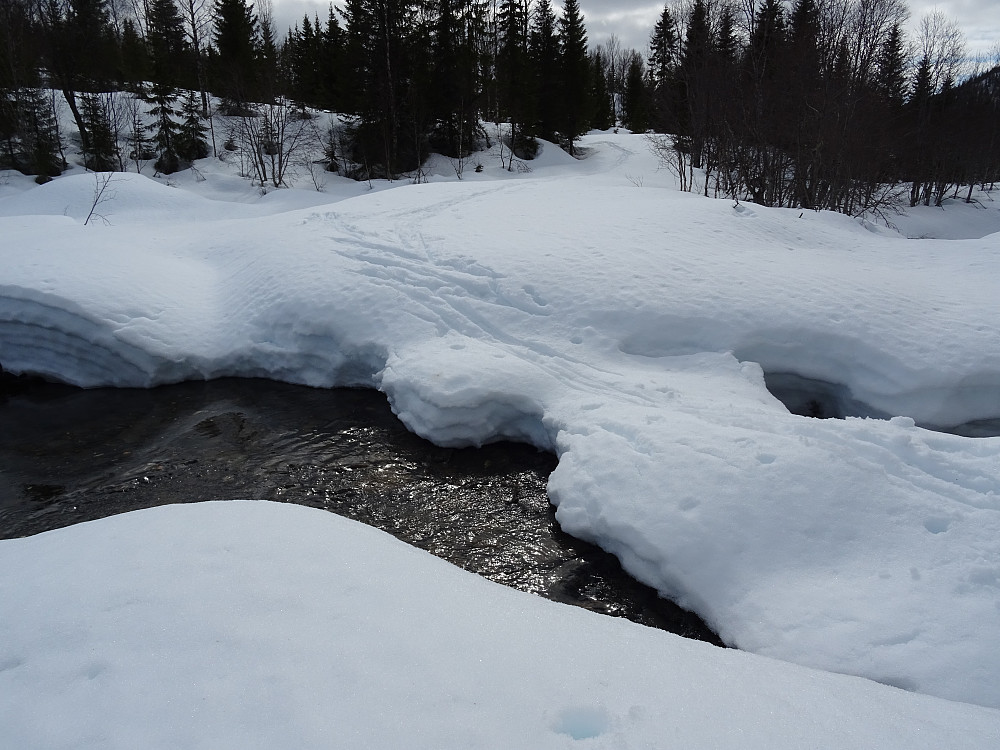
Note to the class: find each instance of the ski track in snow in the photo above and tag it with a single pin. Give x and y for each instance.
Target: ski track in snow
(621, 327)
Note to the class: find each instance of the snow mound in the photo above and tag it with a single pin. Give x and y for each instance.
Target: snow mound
(259, 625)
(953, 220)
(127, 198)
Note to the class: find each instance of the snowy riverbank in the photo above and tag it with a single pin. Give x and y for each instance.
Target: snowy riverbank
(590, 308)
(257, 625)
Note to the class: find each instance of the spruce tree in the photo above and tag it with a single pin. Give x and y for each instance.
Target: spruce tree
(79, 51)
(134, 66)
(807, 105)
(40, 136)
(767, 40)
(603, 114)
(189, 142)
(102, 154)
(664, 66)
(696, 81)
(544, 49)
(664, 49)
(165, 40)
(236, 42)
(514, 80)
(357, 36)
(919, 117)
(726, 43)
(333, 81)
(575, 75)
(384, 56)
(636, 100)
(306, 64)
(892, 70)
(164, 129)
(446, 91)
(18, 69)
(803, 45)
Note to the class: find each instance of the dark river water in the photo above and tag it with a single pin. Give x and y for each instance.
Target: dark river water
(69, 455)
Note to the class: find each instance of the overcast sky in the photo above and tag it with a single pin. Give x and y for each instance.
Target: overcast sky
(632, 20)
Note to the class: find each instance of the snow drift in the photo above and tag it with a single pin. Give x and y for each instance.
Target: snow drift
(259, 625)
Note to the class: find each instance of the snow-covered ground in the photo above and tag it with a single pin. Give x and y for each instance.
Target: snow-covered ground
(590, 308)
(256, 625)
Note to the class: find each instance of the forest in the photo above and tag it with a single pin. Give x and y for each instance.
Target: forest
(813, 104)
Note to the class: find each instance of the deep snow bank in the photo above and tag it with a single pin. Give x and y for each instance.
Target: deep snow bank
(259, 625)
(626, 328)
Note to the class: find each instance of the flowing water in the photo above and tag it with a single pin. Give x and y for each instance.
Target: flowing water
(809, 397)
(70, 455)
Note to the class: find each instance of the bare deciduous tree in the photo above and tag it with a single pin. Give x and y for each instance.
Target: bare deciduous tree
(942, 43)
(274, 143)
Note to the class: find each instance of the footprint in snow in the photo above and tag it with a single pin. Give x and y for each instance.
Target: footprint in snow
(582, 722)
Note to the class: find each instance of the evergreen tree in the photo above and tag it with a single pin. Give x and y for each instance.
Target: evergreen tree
(918, 145)
(664, 64)
(637, 100)
(268, 78)
(806, 120)
(602, 109)
(40, 136)
(459, 29)
(696, 81)
(89, 44)
(134, 68)
(803, 54)
(449, 107)
(664, 49)
(381, 39)
(357, 36)
(544, 51)
(197, 25)
(164, 129)
(892, 70)
(305, 57)
(513, 73)
(190, 143)
(236, 52)
(726, 43)
(574, 67)
(767, 40)
(332, 81)
(102, 155)
(79, 51)
(17, 70)
(165, 41)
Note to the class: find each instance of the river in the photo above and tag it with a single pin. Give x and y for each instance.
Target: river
(69, 455)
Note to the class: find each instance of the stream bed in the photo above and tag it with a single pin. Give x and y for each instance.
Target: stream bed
(69, 455)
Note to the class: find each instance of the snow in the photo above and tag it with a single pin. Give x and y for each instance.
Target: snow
(590, 308)
(954, 219)
(259, 625)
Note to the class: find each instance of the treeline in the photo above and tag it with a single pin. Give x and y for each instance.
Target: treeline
(823, 104)
(413, 75)
(817, 103)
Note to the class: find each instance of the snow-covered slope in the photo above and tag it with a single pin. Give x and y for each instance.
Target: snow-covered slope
(591, 308)
(237, 626)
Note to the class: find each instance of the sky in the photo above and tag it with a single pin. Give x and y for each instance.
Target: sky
(632, 20)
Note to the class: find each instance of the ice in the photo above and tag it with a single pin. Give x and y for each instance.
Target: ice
(590, 308)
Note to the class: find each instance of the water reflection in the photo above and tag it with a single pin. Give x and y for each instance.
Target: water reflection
(68, 456)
